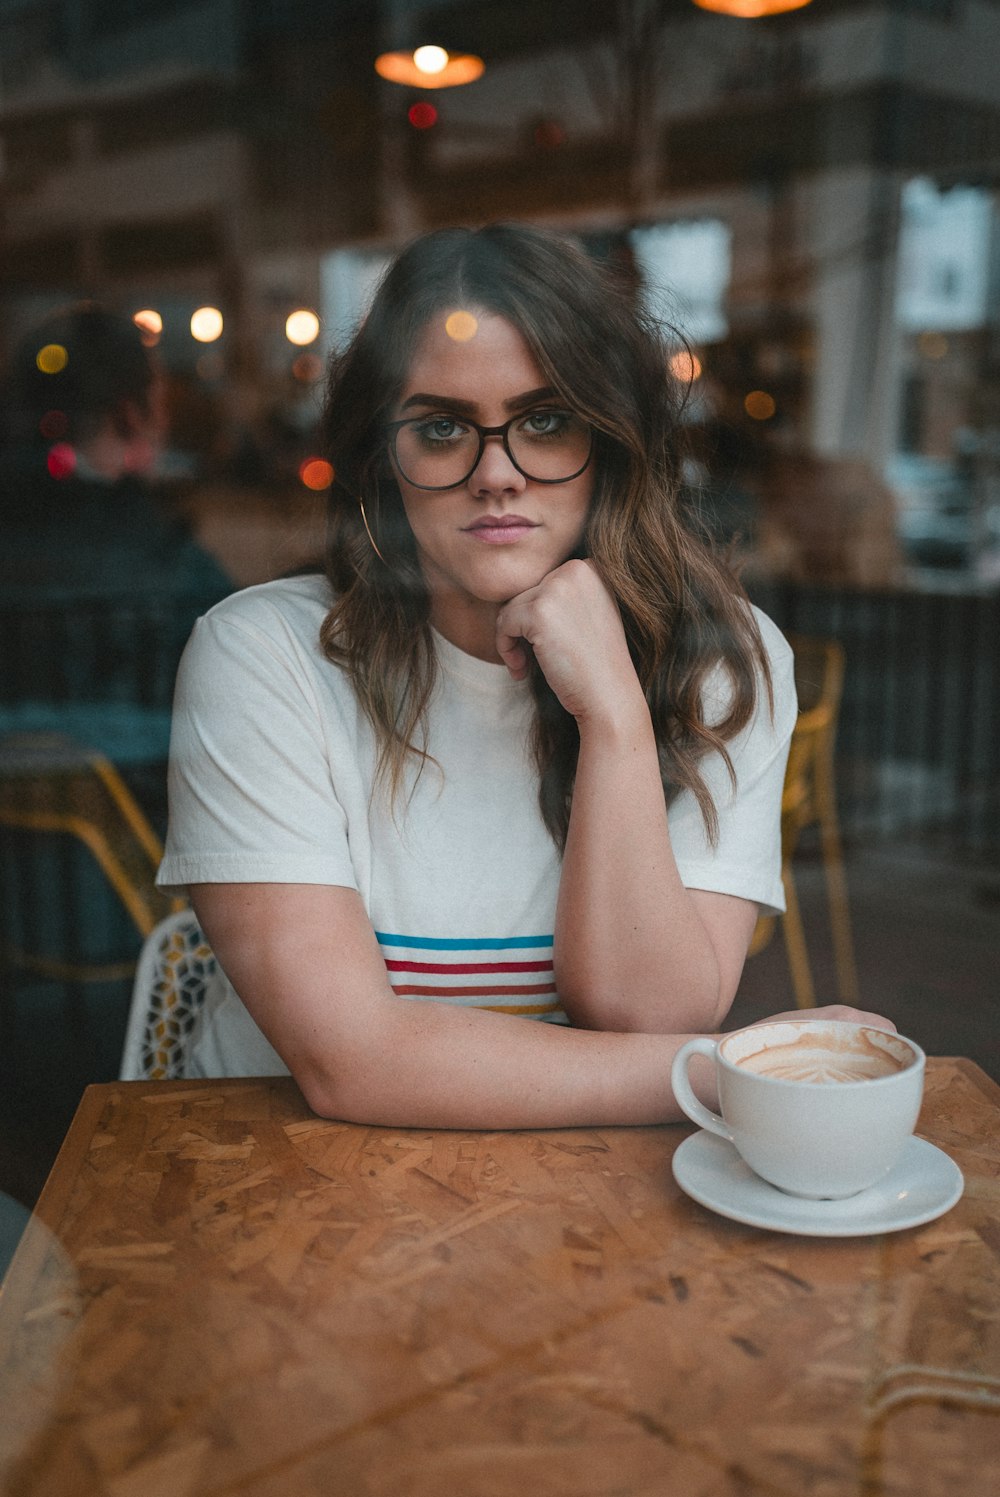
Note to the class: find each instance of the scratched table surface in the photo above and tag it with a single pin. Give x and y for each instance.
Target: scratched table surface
(221, 1293)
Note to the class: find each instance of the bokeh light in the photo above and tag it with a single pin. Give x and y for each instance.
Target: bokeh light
(316, 473)
(307, 368)
(52, 359)
(53, 425)
(206, 324)
(61, 460)
(685, 366)
(461, 326)
(302, 327)
(422, 116)
(150, 325)
(759, 405)
(430, 59)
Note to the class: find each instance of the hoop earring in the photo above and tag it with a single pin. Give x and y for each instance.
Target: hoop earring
(368, 532)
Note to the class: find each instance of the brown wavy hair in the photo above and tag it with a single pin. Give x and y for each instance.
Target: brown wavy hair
(683, 610)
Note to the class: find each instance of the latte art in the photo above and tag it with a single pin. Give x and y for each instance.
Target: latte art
(820, 1109)
(820, 1064)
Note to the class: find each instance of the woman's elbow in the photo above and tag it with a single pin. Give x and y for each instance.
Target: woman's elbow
(681, 1004)
(334, 1088)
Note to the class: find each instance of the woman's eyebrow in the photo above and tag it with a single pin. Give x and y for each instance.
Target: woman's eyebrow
(469, 407)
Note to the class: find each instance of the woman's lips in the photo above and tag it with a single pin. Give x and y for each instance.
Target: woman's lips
(498, 530)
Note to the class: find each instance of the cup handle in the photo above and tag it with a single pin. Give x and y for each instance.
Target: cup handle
(686, 1099)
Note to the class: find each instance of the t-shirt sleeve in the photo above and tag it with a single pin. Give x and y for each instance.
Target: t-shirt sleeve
(746, 859)
(251, 788)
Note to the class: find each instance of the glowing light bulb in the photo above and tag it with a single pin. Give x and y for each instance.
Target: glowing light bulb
(302, 327)
(206, 324)
(430, 59)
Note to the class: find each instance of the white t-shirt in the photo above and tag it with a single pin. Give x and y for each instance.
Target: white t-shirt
(272, 767)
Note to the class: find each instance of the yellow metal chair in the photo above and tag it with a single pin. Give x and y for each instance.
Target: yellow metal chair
(50, 784)
(809, 799)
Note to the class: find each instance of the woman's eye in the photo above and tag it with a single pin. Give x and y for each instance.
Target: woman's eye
(440, 429)
(545, 423)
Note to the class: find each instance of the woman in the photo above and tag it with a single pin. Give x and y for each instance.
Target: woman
(421, 801)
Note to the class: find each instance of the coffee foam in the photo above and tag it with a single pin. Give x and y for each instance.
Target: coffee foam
(828, 1057)
(818, 1064)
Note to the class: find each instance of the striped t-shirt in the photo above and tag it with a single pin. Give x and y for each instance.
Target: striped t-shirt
(273, 779)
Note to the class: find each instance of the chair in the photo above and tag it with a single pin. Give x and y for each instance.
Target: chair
(56, 789)
(809, 799)
(175, 966)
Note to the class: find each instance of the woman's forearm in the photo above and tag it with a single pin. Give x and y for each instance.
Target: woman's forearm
(631, 951)
(307, 965)
(437, 1066)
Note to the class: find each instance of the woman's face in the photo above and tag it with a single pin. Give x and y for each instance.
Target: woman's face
(498, 533)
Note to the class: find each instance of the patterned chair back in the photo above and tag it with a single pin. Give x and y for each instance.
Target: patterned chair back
(175, 967)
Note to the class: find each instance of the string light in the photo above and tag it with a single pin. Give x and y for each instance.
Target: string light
(206, 324)
(302, 327)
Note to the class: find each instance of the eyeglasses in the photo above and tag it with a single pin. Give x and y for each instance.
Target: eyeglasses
(442, 452)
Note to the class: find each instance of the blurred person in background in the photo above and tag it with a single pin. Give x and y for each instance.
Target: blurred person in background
(86, 424)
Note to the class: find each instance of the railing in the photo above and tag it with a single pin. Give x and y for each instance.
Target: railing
(918, 746)
(107, 647)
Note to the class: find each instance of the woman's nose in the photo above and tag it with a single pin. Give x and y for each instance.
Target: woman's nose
(495, 473)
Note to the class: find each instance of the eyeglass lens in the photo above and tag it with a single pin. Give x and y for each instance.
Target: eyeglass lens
(438, 452)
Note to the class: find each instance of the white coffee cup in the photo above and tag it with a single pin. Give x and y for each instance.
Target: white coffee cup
(817, 1107)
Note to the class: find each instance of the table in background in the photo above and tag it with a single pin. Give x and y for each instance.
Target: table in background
(222, 1293)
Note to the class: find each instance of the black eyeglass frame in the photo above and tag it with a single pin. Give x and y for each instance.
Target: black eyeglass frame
(394, 428)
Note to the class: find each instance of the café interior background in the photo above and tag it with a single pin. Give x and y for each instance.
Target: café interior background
(811, 197)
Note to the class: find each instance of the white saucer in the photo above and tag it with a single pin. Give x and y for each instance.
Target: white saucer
(924, 1184)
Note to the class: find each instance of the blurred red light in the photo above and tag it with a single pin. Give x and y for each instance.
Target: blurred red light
(422, 115)
(316, 473)
(61, 461)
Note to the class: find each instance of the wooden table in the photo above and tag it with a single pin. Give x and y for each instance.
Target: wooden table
(221, 1293)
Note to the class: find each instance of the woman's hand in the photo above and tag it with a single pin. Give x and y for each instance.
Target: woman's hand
(573, 626)
(841, 1012)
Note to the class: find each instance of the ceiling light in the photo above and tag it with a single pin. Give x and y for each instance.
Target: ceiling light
(429, 67)
(751, 10)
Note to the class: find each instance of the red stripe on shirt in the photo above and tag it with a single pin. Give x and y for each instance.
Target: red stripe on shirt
(406, 990)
